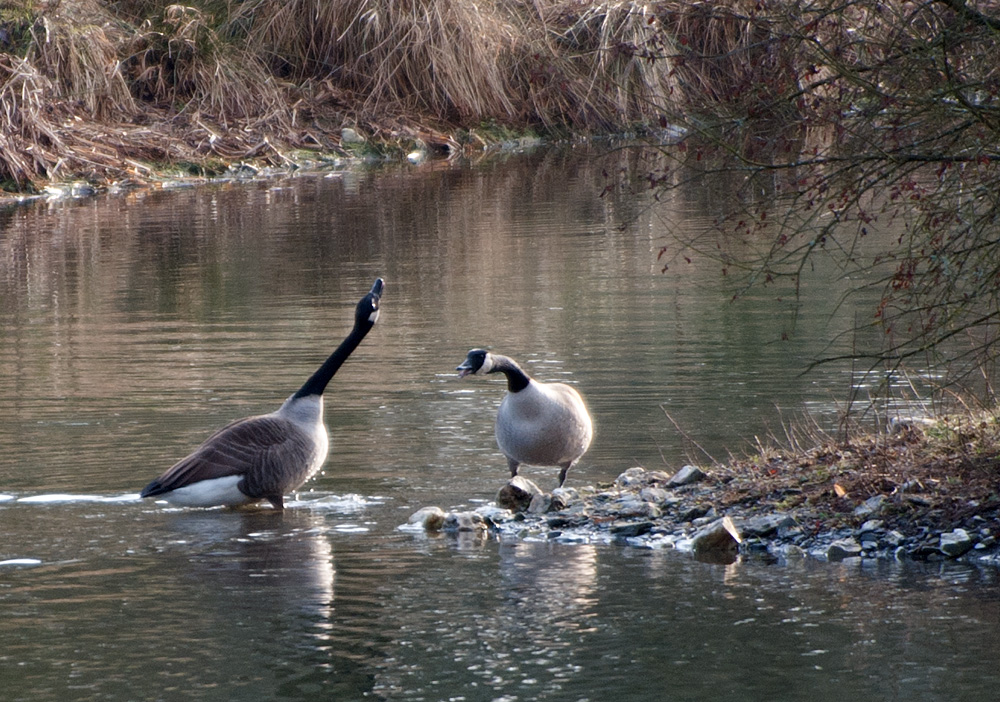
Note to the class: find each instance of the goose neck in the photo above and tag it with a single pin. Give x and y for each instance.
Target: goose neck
(320, 379)
(517, 379)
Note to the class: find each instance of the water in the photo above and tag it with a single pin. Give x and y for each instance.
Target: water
(132, 326)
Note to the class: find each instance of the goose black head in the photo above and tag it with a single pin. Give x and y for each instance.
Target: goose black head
(367, 312)
(476, 361)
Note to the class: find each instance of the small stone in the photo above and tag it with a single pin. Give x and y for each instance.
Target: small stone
(955, 543)
(843, 548)
(430, 518)
(350, 136)
(686, 476)
(517, 494)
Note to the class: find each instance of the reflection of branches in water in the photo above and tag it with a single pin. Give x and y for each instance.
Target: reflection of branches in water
(886, 177)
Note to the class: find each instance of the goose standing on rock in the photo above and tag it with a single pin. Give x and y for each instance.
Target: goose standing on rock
(540, 424)
(267, 456)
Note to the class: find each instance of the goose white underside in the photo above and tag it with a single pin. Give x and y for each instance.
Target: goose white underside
(209, 493)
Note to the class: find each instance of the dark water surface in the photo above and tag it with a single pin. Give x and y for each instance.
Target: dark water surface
(131, 326)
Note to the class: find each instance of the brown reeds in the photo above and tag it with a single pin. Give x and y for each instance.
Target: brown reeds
(221, 79)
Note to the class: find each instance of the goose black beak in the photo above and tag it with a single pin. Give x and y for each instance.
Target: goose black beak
(464, 370)
(378, 287)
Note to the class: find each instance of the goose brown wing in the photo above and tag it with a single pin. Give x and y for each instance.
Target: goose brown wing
(262, 449)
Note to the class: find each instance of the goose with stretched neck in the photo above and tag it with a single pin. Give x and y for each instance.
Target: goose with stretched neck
(267, 456)
(538, 424)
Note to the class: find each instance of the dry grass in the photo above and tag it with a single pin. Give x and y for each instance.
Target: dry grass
(941, 470)
(226, 79)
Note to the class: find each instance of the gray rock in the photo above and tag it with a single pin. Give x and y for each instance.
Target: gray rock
(955, 543)
(869, 540)
(564, 497)
(654, 494)
(870, 506)
(540, 504)
(493, 514)
(632, 506)
(686, 476)
(720, 535)
(633, 477)
(766, 524)
(894, 538)
(430, 518)
(843, 548)
(517, 494)
(870, 525)
(624, 530)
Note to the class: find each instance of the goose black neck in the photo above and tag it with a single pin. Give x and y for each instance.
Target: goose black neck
(517, 379)
(318, 381)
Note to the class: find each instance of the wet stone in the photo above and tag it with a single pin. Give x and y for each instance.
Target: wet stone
(955, 543)
(843, 548)
(720, 535)
(464, 521)
(624, 530)
(517, 494)
(430, 518)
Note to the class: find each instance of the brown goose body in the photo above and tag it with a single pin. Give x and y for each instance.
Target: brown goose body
(266, 456)
(539, 424)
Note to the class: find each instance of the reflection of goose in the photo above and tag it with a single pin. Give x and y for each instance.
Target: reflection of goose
(264, 457)
(541, 424)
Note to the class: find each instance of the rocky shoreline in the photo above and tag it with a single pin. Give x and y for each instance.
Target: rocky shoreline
(722, 513)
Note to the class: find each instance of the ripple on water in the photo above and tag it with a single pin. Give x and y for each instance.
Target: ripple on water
(63, 497)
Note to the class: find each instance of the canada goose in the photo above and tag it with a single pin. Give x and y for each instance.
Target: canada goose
(541, 424)
(264, 457)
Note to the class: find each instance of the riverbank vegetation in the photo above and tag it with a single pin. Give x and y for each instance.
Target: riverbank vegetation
(831, 118)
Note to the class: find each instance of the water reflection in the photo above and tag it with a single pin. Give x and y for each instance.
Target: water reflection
(132, 326)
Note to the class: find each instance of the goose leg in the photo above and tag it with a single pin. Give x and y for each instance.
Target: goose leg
(513, 465)
(563, 472)
(277, 502)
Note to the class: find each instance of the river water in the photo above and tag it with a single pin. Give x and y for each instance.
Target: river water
(132, 325)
